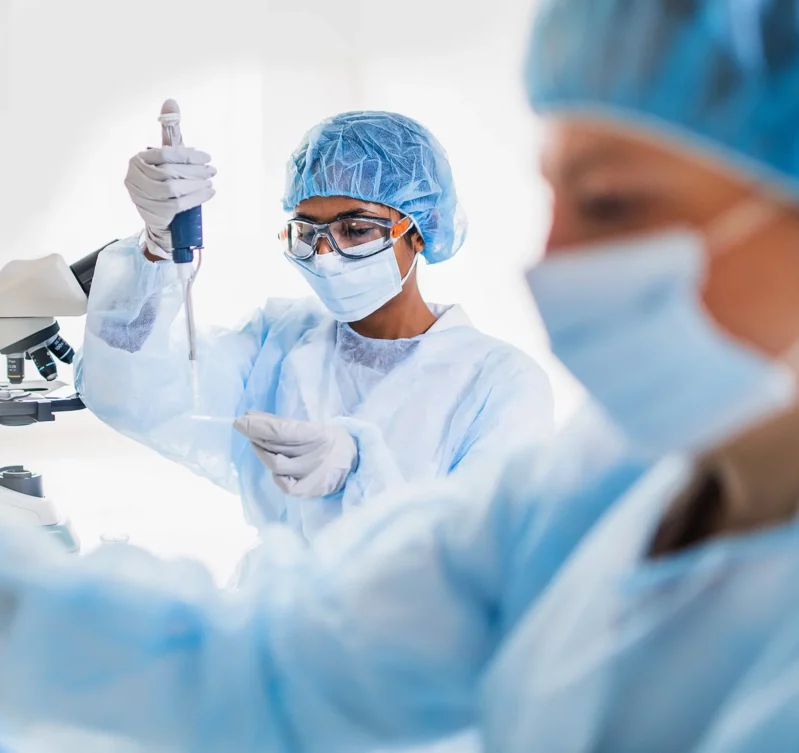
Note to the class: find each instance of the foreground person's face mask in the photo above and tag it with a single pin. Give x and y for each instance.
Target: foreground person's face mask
(627, 319)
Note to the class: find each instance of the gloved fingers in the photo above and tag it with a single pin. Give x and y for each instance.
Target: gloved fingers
(306, 487)
(171, 171)
(299, 487)
(193, 199)
(176, 189)
(152, 212)
(173, 188)
(267, 458)
(159, 244)
(294, 449)
(282, 465)
(245, 424)
(329, 447)
(263, 427)
(160, 213)
(305, 476)
(286, 484)
(319, 483)
(284, 435)
(178, 155)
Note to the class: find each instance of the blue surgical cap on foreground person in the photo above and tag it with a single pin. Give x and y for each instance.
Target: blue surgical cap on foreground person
(619, 594)
(346, 396)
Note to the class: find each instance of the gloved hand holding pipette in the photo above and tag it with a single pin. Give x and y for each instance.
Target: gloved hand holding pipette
(169, 187)
(164, 182)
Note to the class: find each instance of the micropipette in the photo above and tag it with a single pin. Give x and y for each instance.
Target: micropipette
(187, 235)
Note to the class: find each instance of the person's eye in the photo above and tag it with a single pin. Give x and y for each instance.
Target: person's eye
(611, 208)
(361, 230)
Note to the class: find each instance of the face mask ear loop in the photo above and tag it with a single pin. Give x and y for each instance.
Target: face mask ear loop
(411, 224)
(410, 271)
(738, 225)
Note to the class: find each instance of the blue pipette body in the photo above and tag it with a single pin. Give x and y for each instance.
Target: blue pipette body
(187, 235)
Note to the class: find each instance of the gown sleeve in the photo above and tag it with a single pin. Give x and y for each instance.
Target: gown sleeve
(518, 412)
(133, 371)
(379, 635)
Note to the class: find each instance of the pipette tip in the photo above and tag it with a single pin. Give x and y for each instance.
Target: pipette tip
(212, 419)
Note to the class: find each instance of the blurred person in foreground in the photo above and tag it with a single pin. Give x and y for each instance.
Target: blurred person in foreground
(643, 603)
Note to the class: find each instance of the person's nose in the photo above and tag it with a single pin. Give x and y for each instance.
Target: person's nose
(323, 246)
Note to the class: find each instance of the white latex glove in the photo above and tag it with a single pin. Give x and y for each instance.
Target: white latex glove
(306, 459)
(164, 182)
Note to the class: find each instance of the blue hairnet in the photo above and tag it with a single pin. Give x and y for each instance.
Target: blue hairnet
(723, 75)
(384, 158)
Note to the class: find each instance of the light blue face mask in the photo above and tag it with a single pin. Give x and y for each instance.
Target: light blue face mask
(352, 289)
(627, 319)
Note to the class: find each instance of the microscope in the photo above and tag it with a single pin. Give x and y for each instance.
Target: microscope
(32, 294)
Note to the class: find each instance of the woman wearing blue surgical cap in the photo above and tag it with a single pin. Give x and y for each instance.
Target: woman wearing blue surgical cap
(644, 603)
(339, 398)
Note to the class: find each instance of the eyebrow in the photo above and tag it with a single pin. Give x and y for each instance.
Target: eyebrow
(342, 216)
(599, 157)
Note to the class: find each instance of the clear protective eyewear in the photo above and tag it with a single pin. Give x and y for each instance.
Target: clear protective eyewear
(350, 237)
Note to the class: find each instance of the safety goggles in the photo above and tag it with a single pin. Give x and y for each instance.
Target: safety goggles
(351, 237)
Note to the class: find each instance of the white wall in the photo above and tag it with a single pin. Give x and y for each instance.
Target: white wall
(83, 86)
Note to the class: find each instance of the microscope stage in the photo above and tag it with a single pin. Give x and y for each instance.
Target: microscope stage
(35, 401)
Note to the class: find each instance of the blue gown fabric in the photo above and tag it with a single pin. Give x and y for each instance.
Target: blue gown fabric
(523, 603)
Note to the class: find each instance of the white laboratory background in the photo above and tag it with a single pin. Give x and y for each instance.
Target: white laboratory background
(81, 87)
